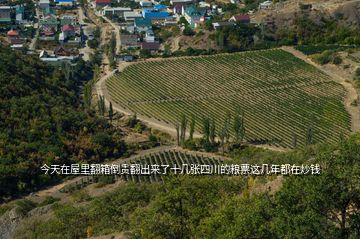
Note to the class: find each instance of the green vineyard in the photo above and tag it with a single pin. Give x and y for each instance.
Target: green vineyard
(282, 97)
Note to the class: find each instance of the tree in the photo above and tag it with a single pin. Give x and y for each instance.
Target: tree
(101, 105)
(206, 129)
(212, 133)
(222, 135)
(192, 127)
(183, 125)
(309, 136)
(239, 127)
(188, 31)
(111, 112)
(177, 128)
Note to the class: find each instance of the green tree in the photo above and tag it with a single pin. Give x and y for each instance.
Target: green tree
(111, 112)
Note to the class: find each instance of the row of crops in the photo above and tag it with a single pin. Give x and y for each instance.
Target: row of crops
(280, 95)
(135, 169)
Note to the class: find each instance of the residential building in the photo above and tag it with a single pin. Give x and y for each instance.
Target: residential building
(194, 15)
(146, 3)
(126, 58)
(62, 51)
(142, 24)
(5, 16)
(49, 12)
(157, 12)
(19, 17)
(220, 25)
(55, 60)
(265, 5)
(49, 22)
(102, 3)
(244, 19)
(14, 38)
(129, 41)
(173, 2)
(149, 36)
(152, 46)
(115, 11)
(44, 4)
(131, 16)
(68, 3)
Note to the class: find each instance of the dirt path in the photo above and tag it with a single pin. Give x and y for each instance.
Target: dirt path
(339, 77)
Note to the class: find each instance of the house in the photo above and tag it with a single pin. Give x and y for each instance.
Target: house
(115, 11)
(14, 38)
(19, 11)
(173, 2)
(49, 22)
(68, 3)
(142, 24)
(194, 16)
(5, 16)
(149, 36)
(126, 58)
(102, 3)
(44, 4)
(131, 16)
(129, 41)
(68, 31)
(49, 12)
(265, 5)
(157, 12)
(68, 20)
(177, 8)
(152, 46)
(62, 51)
(55, 60)
(145, 3)
(244, 19)
(220, 25)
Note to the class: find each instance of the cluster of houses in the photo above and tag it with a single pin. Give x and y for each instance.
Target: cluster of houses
(62, 30)
(137, 24)
(16, 23)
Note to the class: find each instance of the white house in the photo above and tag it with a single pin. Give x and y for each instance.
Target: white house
(265, 5)
(145, 3)
(118, 11)
(44, 4)
(149, 36)
(130, 16)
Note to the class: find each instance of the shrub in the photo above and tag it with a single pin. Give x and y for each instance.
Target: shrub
(24, 206)
(48, 200)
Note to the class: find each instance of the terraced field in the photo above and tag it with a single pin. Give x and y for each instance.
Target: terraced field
(281, 95)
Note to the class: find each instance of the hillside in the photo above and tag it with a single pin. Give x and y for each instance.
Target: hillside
(42, 121)
(213, 206)
(280, 96)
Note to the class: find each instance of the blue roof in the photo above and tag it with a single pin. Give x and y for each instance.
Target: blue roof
(64, 1)
(143, 22)
(159, 7)
(153, 14)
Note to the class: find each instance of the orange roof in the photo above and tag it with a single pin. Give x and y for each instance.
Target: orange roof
(12, 33)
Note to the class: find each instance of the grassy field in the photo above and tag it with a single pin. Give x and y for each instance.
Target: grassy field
(281, 96)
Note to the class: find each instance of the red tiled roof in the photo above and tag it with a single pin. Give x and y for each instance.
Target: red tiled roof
(68, 27)
(103, 1)
(12, 33)
(242, 18)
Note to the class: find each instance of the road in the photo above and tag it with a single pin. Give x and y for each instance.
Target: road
(32, 45)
